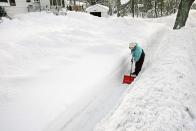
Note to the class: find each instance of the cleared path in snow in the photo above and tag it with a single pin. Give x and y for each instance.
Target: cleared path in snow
(85, 115)
(65, 73)
(92, 107)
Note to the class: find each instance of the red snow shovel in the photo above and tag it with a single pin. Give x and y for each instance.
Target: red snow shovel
(127, 78)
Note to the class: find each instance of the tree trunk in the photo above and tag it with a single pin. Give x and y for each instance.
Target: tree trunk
(74, 2)
(133, 9)
(70, 2)
(162, 4)
(155, 8)
(183, 12)
(110, 9)
(118, 8)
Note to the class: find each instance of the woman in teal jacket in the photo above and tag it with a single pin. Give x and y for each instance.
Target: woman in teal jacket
(138, 56)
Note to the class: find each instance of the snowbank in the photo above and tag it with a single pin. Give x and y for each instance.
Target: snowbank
(63, 72)
(163, 96)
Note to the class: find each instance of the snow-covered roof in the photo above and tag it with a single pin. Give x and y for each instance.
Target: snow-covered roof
(4, 4)
(124, 1)
(97, 8)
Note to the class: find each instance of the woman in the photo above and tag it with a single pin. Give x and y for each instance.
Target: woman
(138, 56)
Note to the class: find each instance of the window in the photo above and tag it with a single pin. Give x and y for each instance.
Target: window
(12, 3)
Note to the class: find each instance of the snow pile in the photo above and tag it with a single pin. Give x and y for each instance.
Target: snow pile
(163, 96)
(64, 72)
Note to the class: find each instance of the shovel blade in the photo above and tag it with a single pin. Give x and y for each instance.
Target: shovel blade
(128, 79)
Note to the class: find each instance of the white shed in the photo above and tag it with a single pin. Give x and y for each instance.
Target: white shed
(98, 10)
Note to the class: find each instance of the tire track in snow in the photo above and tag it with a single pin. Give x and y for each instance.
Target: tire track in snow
(153, 44)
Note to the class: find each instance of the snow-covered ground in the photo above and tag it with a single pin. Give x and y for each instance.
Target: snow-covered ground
(124, 1)
(163, 98)
(65, 73)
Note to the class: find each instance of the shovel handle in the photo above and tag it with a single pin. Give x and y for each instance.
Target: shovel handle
(131, 64)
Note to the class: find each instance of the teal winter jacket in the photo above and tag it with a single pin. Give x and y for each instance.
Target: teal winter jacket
(136, 52)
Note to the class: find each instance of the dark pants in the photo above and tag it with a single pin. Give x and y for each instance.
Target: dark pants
(139, 63)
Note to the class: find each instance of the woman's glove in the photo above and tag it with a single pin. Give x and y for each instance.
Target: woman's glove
(132, 59)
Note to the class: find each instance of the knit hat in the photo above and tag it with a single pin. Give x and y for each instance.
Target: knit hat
(132, 45)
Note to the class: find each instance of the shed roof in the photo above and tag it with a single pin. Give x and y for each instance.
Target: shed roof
(97, 7)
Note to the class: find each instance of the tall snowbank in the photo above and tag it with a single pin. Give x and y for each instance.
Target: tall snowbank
(163, 97)
(64, 72)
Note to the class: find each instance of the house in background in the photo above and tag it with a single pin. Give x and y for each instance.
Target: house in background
(13, 7)
(98, 10)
